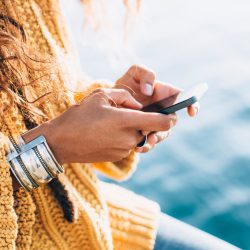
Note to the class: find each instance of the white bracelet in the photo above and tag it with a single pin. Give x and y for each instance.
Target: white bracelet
(50, 160)
(21, 176)
(32, 163)
(36, 169)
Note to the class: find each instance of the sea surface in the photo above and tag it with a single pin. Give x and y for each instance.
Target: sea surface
(201, 174)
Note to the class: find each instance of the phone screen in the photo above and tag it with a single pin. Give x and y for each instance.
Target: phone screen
(196, 92)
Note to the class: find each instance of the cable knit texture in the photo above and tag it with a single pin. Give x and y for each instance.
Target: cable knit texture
(106, 216)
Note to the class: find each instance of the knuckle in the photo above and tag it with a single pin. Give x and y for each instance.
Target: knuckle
(134, 67)
(103, 91)
(143, 71)
(151, 74)
(140, 67)
(125, 93)
(98, 92)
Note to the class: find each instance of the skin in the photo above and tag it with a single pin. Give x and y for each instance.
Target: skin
(83, 132)
(134, 80)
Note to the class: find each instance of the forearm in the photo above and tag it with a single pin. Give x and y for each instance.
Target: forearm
(52, 135)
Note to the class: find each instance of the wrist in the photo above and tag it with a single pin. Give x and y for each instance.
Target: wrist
(50, 132)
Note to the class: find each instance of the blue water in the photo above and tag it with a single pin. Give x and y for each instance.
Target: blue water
(201, 174)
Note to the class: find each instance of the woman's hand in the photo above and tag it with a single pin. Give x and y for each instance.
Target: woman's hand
(141, 83)
(102, 127)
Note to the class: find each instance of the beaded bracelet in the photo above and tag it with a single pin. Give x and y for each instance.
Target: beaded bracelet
(33, 163)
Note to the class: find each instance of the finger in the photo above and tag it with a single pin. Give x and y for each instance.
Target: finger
(148, 147)
(163, 90)
(145, 148)
(193, 109)
(121, 97)
(149, 121)
(160, 136)
(145, 77)
(153, 139)
(138, 150)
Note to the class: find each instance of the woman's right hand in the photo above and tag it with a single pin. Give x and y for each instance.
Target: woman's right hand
(103, 127)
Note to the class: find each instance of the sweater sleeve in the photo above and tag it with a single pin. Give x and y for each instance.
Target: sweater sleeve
(8, 218)
(17, 210)
(120, 170)
(133, 219)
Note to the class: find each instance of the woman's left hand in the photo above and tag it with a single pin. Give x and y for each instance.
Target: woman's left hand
(142, 84)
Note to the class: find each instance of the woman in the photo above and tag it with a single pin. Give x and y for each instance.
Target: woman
(74, 210)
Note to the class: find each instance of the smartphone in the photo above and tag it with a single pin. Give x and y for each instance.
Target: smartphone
(179, 101)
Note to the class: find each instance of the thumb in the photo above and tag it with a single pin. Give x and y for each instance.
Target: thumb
(147, 121)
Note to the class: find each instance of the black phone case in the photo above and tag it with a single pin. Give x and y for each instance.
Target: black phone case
(178, 106)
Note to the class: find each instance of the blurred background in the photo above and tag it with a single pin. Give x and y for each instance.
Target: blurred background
(201, 174)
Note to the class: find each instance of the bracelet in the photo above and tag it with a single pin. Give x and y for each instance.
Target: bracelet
(48, 158)
(15, 143)
(21, 176)
(32, 163)
(36, 169)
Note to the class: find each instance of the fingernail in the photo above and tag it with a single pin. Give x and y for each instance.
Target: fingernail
(140, 106)
(139, 150)
(147, 89)
(171, 124)
(173, 120)
(147, 147)
(197, 110)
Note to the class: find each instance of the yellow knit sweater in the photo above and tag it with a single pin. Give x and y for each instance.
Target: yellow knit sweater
(106, 216)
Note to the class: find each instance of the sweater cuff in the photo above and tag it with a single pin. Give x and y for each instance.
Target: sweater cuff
(120, 170)
(133, 218)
